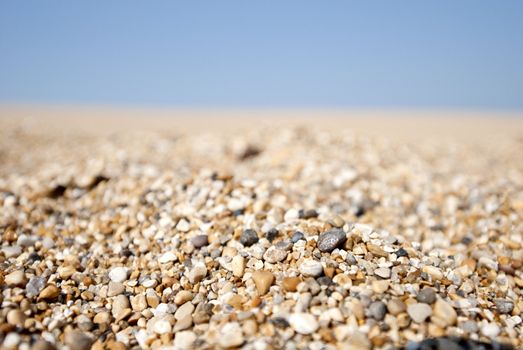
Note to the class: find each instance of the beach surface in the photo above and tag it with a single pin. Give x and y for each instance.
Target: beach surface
(262, 229)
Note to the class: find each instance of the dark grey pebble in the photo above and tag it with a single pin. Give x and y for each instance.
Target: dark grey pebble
(308, 214)
(249, 237)
(280, 322)
(378, 310)
(331, 239)
(401, 252)
(200, 241)
(272, 234)
(504, 306)
(427, 296)
(455, 343)
(297, 236)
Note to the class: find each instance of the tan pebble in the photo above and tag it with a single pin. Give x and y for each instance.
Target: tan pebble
(77, 340)
(101, 318)
(16, 278)
(434, 272)
(182, 297)
(16, 317)
(445, 312)
(376, 250)
(263, 281)
(250, 327)
(49, 293)
(115, 288)
(238, 266)
(152, 299)
(42, 345)
(184, 310)
(139, 302)
(396, 306)
(120, 303)
(183, 323)
(290, 283)
(229, 251)
(65, 272)
(235, 301)
(380, 286)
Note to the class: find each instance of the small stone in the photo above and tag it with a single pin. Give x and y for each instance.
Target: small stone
(401, 253)
(331, 239)
(303, 323)
(35, 286)
(183, 323)
(396, 306)
(382, 272)
(12, 251)
(248, 237)
(184, 311)
(419, 312)
(139, 302)
(167, 257)
(263, 281)
(445, 312)
(274, 255)
(197, 273)
(50, 292)
(184, 340)
(272, 234)
(504, 306)
(102, 318)
(120, 303)
(16, 317)
(200, 241)
(231, 335)
(183, 226)
(290, 283)
(11, 341)
(162, 326)
(238, 266)
(182, 297)
(297, 236)
(427, 296)
(490, 330)
(16, 279)
(65, 272)
(433, 272)
(119, 274)
(115, 288)
(378, 310)
(380, 286)
(42, 345)
(351, 260)
(311, 268)
(77, 340)
(376, 250)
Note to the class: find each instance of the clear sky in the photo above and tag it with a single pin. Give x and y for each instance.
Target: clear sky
(276, 53)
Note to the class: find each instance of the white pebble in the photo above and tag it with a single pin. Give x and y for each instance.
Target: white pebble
(303, 323)
(311, 268)
(119, 274)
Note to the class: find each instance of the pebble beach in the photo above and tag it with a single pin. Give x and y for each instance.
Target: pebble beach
(263, 235)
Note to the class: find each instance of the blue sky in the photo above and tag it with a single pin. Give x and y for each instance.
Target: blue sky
(377, 54)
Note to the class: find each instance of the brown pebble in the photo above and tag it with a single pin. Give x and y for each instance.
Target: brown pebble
(290, 283)
(50, 292)
(263, 281)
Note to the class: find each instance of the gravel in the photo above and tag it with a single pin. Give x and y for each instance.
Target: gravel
(319, 240)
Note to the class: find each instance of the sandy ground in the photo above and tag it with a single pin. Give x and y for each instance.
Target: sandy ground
(409, 124)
